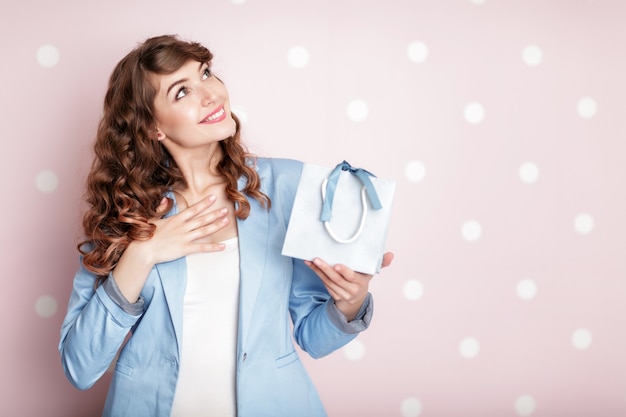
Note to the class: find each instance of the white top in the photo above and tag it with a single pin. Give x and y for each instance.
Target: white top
(206, 381)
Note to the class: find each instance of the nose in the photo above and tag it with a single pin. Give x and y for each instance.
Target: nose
(208, 95)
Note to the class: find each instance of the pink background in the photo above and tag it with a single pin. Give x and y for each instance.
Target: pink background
(501, 120)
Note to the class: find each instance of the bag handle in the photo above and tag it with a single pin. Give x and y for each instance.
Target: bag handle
(363, 217)
(329, 185)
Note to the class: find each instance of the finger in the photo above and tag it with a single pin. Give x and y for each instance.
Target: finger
(207, 247)
(208, 229)
(163, 207)
(332, 279)
(198, 208)
(203, 220)
(387, 258)
(349, 274)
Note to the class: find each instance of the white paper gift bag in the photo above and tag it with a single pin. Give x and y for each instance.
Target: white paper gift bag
(340, 215)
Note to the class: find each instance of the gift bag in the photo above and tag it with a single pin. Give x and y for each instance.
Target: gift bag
(340, 215)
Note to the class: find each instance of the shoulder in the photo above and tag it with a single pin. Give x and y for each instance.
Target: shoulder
(279, 173)
(279, 180)
(277, 167)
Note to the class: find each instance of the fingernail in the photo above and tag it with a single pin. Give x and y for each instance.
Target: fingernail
(212, 198)
(225, 220)
(224, 210)
(317, 261)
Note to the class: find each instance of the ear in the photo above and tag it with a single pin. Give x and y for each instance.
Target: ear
(160, 135)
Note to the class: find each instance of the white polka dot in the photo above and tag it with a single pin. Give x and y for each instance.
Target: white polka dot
(469, 348)
(471, 230)
(415, 171)
(241, 113)
(46, 181)
(581, 339)
(526, 289)
(529, 172)
(417, 52)
(355, 350)
(238, 1)
(357, 110)
(298, 57)
(46, 306)
(532, 55)
(477, 2)
(587, 107)
(413, 290)
(48, 56)
(525, 405)
(411, 407)
(583, 223)
(474, 113)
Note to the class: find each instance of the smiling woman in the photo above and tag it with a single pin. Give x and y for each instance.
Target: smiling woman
(181, 251)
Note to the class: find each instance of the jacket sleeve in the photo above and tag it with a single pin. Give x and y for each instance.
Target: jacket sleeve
(319, 327)
(94, 329)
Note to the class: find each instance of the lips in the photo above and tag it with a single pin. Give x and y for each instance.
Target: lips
(215, 117)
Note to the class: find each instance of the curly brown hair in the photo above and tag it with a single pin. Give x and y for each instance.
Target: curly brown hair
(132, 171)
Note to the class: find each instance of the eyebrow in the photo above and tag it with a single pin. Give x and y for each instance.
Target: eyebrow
(175, 83)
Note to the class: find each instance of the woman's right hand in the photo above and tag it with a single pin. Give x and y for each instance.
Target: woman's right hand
(176, 236)
(186, 232)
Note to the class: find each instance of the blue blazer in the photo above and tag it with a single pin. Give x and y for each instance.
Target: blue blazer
(271, 380)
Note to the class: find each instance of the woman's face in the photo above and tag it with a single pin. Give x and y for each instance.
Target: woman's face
(191, 107)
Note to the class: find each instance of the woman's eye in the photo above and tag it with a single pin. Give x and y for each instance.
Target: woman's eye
(181, 93)
(206, 73)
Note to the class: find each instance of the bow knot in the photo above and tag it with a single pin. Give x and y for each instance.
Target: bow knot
(331, 187)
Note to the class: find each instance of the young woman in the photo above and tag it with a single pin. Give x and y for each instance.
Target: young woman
(181, 273)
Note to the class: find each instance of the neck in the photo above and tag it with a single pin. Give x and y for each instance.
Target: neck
(199, 169)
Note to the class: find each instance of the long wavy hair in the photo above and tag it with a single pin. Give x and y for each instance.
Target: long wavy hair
(131, 170)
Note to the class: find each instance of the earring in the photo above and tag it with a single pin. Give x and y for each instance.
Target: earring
(160, 136)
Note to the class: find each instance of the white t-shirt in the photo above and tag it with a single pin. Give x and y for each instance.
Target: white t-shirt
(206, 381)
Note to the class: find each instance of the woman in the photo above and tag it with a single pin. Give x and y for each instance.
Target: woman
(181, 271)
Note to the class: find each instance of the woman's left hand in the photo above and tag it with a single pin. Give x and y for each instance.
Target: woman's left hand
(347, 287)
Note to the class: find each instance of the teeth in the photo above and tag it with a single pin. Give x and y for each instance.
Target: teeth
(216, 115)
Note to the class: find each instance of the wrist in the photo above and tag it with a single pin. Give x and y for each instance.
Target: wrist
(349, 309)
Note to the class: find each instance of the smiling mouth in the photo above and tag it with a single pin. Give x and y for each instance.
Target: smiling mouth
(215, 116)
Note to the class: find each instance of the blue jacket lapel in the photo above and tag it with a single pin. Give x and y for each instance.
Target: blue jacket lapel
(253, 235)
(173, 277)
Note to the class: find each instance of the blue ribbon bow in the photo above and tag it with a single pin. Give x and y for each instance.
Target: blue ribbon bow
(331, 187)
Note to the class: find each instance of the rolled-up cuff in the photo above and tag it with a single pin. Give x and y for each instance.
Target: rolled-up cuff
(360, 322)
(113, 291)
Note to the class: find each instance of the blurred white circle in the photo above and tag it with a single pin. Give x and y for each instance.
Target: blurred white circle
(583, 223)
(529, 172)
(525, 405)
(46, 181)
(241, 113)
(411, 407)
(415, 171)
(357, 110)
(417, 51)
(477, 2)
(238, 1)
(46, 306)
(526, 289)
(413, 290)
(298, 57)
(474, 113)
(581, 339)
(355, 350)
(532, 55)
(469, 348)
(471, 230)
(587, 107)
(48, 56)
